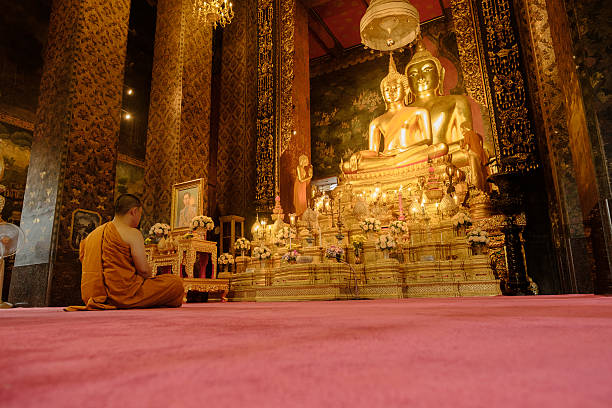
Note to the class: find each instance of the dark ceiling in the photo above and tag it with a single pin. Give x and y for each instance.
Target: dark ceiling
(333, 25)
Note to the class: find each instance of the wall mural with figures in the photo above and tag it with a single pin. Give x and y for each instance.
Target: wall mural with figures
(344, 101)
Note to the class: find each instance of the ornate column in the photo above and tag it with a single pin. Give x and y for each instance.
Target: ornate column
(236, 167)
(74, 149)
(179, 113)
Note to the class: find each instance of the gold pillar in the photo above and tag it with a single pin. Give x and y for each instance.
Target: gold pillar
(237, 113)
(74, 149)
(179, 112)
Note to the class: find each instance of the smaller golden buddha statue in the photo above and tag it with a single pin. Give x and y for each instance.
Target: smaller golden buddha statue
(300, 186)
(401, 135)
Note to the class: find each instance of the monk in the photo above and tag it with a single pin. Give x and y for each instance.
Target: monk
(115, 273)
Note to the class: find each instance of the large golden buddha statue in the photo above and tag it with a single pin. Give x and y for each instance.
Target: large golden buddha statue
(432, 124)
(401, 134)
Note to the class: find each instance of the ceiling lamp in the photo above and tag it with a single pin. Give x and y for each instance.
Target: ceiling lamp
(214, 11)
(389, 24)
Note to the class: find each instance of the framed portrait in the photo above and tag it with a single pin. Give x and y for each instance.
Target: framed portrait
(83, 222)
(187, 202)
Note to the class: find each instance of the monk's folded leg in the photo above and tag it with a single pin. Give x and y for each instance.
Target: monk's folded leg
(160, 291)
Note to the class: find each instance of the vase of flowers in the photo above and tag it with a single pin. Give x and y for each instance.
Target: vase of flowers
(284, 234)
(398, 227)
(290, 256)
(242, 245)
(225, 260)
(261, 253)
(461, 221)
(370, 226)
(158, 231)
(385, 243)
(357, 242)
(478, 240)
(334, 252)
(201, 224)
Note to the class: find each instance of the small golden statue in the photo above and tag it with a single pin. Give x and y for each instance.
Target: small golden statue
(300, 187)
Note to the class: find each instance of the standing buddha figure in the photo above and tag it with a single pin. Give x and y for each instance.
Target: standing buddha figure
(401, 134)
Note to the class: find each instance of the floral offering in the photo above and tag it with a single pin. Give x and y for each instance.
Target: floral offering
(478, 237)
(334, 251)
(225, 259)
(385, 242)
(261, 253)
(202, 221)
(358, 241)
(285, 233)
(370, 225)
(461, 219)
(398, 227)
(160, 229)
(290, 256)
(242, 244)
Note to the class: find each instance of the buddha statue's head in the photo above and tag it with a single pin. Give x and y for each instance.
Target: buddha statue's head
(425, 74)
(394, 87)
(303, 160)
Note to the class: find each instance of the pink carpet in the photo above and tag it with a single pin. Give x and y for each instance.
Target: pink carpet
(494, 352)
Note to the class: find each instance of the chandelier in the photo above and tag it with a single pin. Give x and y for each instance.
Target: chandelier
(389, 24)
(214, 11)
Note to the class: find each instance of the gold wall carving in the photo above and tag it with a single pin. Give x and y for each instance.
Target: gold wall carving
(266, 159)
(179, 113)
(286, 64)
(236, 168)
(515, 138)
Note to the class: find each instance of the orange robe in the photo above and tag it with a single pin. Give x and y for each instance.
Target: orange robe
(109, 279)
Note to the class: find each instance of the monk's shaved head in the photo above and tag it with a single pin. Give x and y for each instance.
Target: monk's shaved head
(125, 203)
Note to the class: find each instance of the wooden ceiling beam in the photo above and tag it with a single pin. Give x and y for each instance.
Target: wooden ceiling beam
(338, 48)
(319, 40)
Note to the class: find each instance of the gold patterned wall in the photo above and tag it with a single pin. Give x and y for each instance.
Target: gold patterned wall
(75, 144)
(238, 106)
(179, 113)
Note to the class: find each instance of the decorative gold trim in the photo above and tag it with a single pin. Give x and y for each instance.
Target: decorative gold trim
(15, 121)
(286, 62)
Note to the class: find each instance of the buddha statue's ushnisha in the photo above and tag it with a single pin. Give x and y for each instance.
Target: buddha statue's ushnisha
(400, 134)
(451, 115)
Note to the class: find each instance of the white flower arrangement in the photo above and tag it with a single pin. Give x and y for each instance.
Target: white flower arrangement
(370, 225)
(461, 218)
(285, 233)
(225, 259)
(478, 237)
(160, 229)
(398, 227)
(202, 221)
(261, 253)
(385, 242)
(242, 244)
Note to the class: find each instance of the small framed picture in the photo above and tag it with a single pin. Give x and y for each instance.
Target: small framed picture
(187, 202)
(83, 222)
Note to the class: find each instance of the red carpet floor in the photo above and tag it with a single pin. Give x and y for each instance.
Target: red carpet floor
(518, 352)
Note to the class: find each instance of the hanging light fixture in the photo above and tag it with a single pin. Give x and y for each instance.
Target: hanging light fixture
(389, 24)
(214, 11)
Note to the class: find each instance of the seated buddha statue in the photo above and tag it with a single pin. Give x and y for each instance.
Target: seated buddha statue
(401, 134)
(451, 115)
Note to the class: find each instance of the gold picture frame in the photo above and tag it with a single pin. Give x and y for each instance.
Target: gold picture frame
(187, 202)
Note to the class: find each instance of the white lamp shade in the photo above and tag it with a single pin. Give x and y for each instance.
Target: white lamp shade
(389, 24)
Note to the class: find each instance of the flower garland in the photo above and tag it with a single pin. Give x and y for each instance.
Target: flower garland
(398, 227)
(370, 225)
(461, 219)
(202, 221)
(334, 251)
(385, 242)
(160, 229)
(478, 237)
(261, 253)
(225, 259)
(242, 244)
(290, 256)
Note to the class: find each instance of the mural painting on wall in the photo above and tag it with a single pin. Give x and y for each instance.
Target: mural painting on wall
(15, 144)
(129, 179)
(344, 102)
